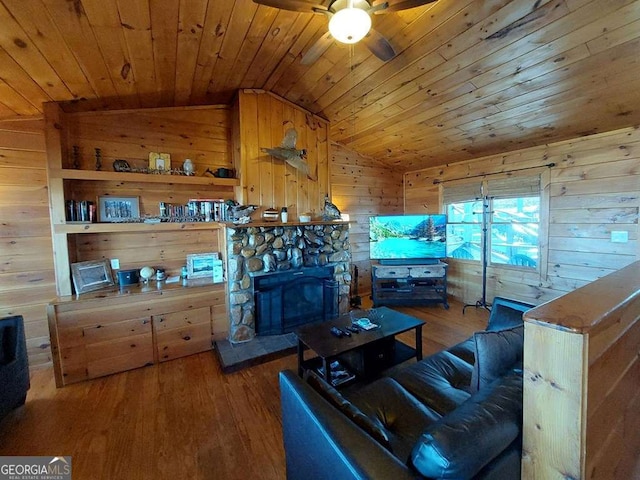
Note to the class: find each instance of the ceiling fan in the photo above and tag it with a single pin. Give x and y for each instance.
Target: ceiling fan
(349, 22)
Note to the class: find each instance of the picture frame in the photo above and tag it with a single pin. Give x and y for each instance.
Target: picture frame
(160, 161)
(201, 265)
(118, 209)
(92, 275)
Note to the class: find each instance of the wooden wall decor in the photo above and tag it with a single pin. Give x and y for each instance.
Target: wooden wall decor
(593, 190)
(27, 281)
(261, 120)
(362, 187)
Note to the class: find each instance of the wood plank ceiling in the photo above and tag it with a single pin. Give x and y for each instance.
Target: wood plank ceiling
(471, 77)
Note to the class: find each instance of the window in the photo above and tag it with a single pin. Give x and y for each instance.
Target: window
(464, 230)
(508, 212)
(514, 230)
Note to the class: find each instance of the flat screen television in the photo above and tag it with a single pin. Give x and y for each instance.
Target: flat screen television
(406, 239)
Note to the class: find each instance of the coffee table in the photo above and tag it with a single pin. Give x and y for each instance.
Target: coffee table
(368, 352)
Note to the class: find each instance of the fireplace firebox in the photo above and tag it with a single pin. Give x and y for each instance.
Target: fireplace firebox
(286, 300)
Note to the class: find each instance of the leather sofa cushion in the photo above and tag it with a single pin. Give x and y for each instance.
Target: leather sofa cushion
(460, 444)
(441, 381)
(465, 350)
(496, 352)
(403, 417)
(347, 408)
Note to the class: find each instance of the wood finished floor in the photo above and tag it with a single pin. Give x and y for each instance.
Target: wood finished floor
(182, 419)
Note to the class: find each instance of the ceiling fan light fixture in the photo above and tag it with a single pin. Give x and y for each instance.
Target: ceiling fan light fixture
(350, 25)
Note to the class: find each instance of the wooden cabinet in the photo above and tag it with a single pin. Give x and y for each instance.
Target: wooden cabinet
(93, 346)
(409, 284)
(105, 332)
(183, 333)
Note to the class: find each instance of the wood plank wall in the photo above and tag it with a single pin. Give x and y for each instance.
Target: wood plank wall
(27, 282)
(361, 187)
(261, 121)
(199, 133)
(593, 189)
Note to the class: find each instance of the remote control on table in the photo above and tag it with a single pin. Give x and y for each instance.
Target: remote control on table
(336, 332)
(346, 332)
(353, 329)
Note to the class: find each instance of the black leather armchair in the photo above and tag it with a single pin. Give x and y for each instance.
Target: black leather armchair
(14, 366)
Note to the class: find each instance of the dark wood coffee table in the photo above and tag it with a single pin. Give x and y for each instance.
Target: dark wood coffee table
(366, 353)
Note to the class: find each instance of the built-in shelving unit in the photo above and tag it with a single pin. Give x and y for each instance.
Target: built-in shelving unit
(163, 238)
(168, 180)
(100, 175)
(124, 327)
(80, 228)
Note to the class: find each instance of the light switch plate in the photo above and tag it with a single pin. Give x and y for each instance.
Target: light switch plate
(619, 236)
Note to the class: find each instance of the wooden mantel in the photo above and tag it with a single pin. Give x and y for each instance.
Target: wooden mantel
(581, 378)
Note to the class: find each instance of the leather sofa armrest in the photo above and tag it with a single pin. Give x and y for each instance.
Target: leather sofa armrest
(463, 442)
(14, 365)
(322, 443)
(506, 313)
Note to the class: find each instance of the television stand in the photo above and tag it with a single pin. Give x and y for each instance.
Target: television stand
(409, 284)
(395, 262)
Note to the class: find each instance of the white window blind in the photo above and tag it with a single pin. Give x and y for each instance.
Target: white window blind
(514, 186)
(462, 192)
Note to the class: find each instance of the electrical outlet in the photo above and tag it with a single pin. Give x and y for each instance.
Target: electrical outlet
(619, 236)
(115, 263)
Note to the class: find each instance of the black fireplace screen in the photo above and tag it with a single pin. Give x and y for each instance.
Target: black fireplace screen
(287, 300)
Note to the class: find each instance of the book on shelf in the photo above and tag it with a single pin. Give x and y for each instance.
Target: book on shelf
(213, 210)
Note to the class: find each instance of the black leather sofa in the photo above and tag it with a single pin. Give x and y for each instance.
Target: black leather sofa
(14, 365)
(456, 414)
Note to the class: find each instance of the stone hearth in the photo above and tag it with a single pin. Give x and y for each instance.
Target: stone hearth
(236, 356)
(255, 250)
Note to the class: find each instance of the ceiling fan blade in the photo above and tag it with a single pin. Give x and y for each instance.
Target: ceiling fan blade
(396, 5)
(377, 7)
(379, 46)
(317, 49)
(293, 5)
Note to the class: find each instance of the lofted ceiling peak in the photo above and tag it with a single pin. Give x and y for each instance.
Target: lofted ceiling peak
(467, 78)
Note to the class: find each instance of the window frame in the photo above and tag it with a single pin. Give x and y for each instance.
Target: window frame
(507, 186)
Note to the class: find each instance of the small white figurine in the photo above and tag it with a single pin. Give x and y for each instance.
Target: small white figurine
(188, 167)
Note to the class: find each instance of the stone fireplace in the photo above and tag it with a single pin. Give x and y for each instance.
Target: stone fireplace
(310, 260)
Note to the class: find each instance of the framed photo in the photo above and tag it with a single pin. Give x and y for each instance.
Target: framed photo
(160, 161)
(201, 265)
(118, 209)
(92, 275)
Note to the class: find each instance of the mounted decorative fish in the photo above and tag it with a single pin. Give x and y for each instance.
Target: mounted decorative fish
(287, 151)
